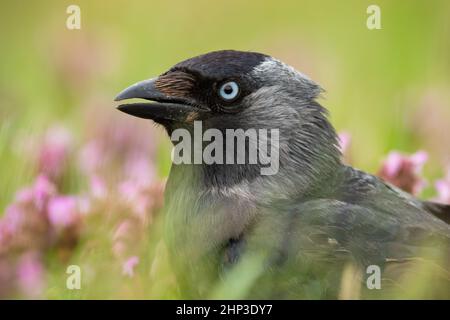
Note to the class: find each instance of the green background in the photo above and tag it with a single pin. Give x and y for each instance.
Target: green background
(388, 88)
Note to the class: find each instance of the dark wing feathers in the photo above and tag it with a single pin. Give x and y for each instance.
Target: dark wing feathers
(318, 239)
(441, 211)
(337, 233)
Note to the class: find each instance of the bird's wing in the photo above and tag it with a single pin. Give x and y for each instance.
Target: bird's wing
(370, 235)
(327, 234)
(370, 191)
(441, 211)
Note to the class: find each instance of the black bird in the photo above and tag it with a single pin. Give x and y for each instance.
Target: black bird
(301, 227)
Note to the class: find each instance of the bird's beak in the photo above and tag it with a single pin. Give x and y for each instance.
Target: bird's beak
(162, 109)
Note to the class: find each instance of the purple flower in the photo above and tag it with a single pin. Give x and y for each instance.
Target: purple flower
(139, 169)
(84, 205)
(25, 224)
(15, 217)
(91, 157)
(129, 266)
(345, 140)
(38, 194)
(137, 197)
(114, 142)
(43, 189)
(53, 154)
(404, 171)
(63, 211)
(443, 188)
(124, 229)
(30, 275)
(7, 276)
(6, 234)
(98, 187)
(125, 238)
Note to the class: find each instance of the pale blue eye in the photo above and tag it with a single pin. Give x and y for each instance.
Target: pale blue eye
(229, 90)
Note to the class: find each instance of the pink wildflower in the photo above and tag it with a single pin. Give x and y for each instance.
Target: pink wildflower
(125, 238)
(345, 140)
(63, 211)
(137, 197)
(98, 187)
(404, 171)
(443, 188)
(30, 273)
(91, 157)
(38, 194)
(54, 152)
(129, 266)
(15, 217)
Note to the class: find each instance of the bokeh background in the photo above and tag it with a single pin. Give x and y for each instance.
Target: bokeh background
(82, 184)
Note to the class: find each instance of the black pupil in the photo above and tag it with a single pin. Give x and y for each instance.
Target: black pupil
(228, 89)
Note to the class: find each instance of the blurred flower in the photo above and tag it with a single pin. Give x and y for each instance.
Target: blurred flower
(139, 169)
(14, 218)
(117, 149)
(84, 205)
(404, 171)
(24, 225)
(7, 276)
(129, 266)
(65, 219)
(7, 229)
(30, 275)
(38, 194)
(127, 234)
(114, 133)
(38, 219)
(118, 153)
(54, 151)
(136, 196)
(443, 188)
(123, 230)
(345, 140)
(90, 157)
(120, 157)
(142, 199)
(63, 211)
(98, 187)
(5, 233)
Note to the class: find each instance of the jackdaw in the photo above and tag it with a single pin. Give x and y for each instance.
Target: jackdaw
(300, 229)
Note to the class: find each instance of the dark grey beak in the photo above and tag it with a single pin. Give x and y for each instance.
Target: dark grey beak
(162, 109)
(144, 90)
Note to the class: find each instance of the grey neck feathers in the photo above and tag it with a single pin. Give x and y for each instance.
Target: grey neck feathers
(308, 155)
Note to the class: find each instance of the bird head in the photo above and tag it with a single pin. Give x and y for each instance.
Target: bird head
(224, 88)
(240, 90)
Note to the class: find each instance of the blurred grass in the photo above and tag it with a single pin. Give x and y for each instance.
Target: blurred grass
(375, 80)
